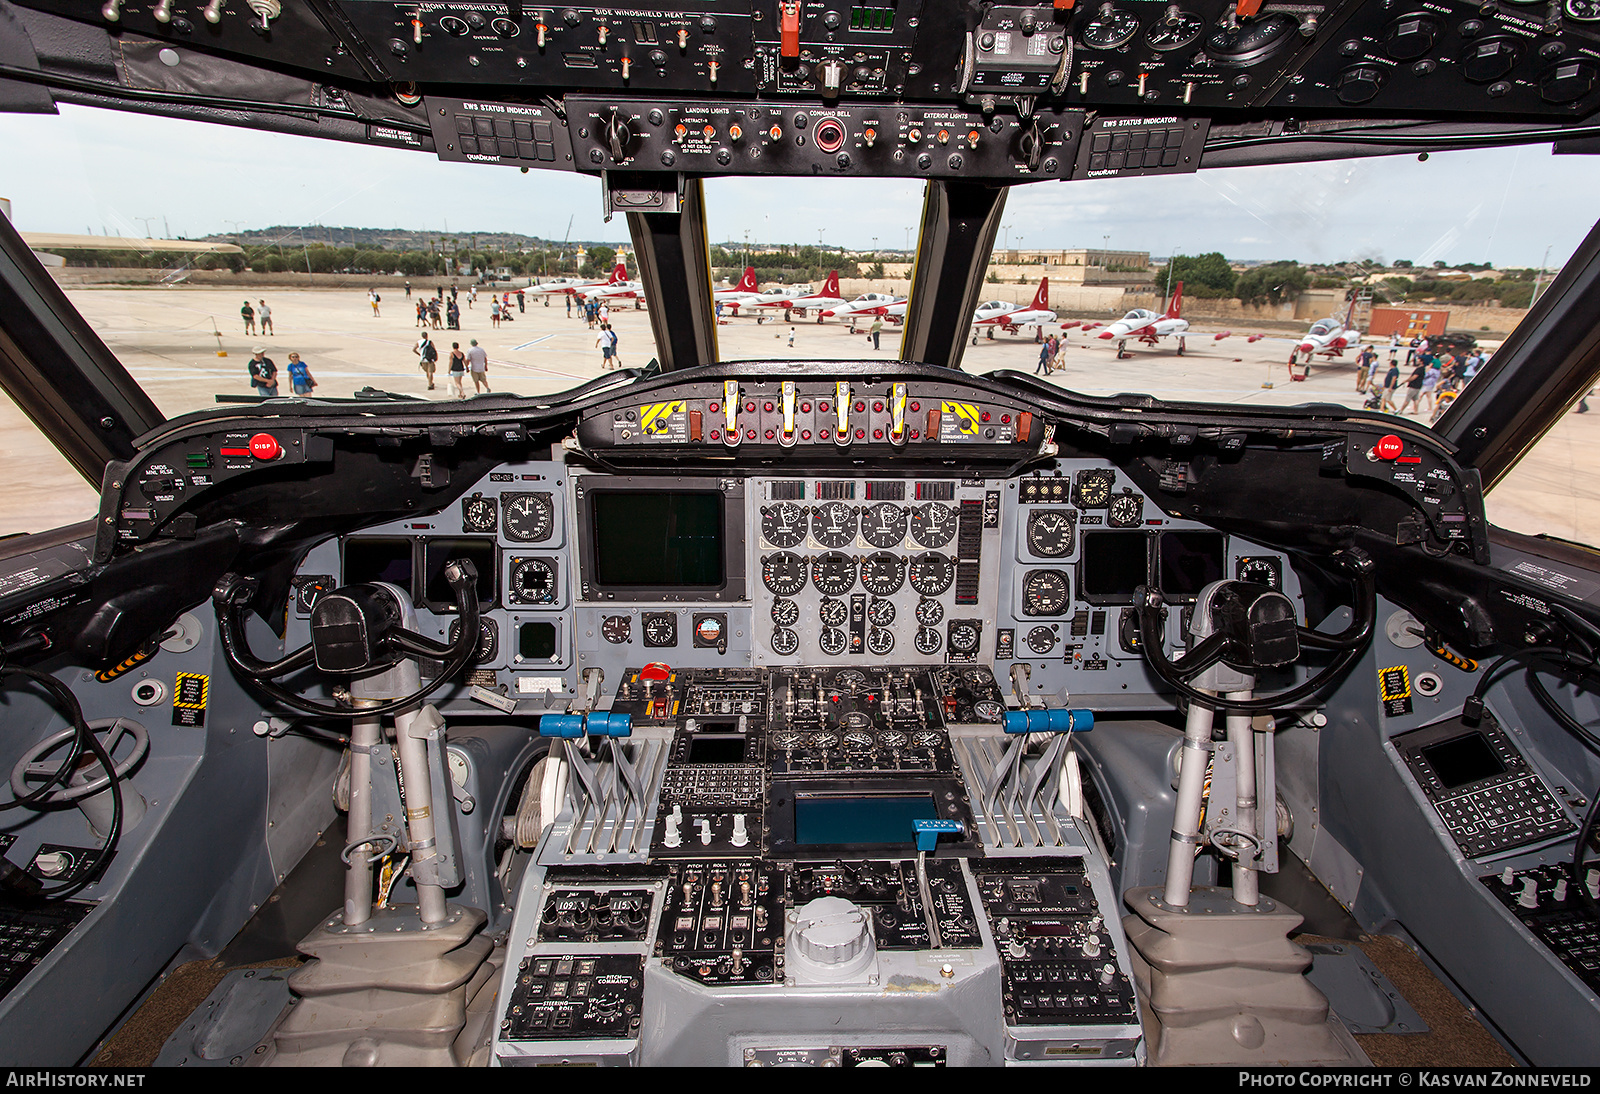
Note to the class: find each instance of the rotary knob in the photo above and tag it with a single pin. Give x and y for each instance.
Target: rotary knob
(1568, 82)
(1359, 84)
(1411, 36)
(831, 938)
(618, 136)
(1489, 60)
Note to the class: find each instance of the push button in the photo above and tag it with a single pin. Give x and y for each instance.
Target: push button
(264, 446)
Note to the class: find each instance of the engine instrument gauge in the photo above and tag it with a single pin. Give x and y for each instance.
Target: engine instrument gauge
(929, 612)
(987, 710)
(834, 573)
(1261, 571)
(617, 629)
(932, 573)
(880, 613)
(892, 739)
(933, 525)
(833, 613)
(660, 629)
(1041, 640)
(833, 524)
(964, 636)
(1174, 30)
(488, 640)
(478, 514)
(832, 641)
(533, 581)
(784, 573)
(858, 738)
(1092, 489)
(880, 640)
(528, 518)
(785, 612)
(784, 641)
(1250, 41)
(825, 739)
(884, 524)
(850, 680)
(787, 739)
(1110, 27)
(1045, 592)
(1050, 532)
(1126, 511)
(784, 524)
(883, 573)
(925, 739)
(927, 641)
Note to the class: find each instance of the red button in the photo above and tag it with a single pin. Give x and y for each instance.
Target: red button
(655, 670)
(767, 407)
(264, 446)
(1388, 447)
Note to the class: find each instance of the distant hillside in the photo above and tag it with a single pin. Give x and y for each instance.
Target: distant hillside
(390, 239)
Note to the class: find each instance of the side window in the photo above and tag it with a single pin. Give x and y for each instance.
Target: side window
(1555, 488)
(42, 491)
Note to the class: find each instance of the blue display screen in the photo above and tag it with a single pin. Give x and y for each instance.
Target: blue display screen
(873, 820)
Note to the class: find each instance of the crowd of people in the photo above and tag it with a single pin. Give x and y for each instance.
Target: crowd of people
(1437, 377)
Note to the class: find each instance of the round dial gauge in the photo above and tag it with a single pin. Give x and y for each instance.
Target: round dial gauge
(785, 612)
(784, 641)
(1260, 571)
(1110, 28)
(929, 612)
(925, 739)
(892, 739)
(933, 525)
(478, 514)
(833, 613)
(834, 573)
(1045, 592)
(1583, 11)
(849, 679)
(883, 572)
(884, 524)
(788, 740)
(1050, 532)
(533, 581)
(1174, 30)
(964, 637)
(784, 573)
(1094, 488)
(880, 613)
(1041, 640)
(932, 573)
(617, 629)
(832, 641)
(987, 710)
(661, 629)
(1127, 511)
(528, 518)
(926, 641)
(1250, 41)
(880, 640)
(825, 739)
(784, 524)
(488, 640)
(708, 630)
(833, 524)
(859, 738)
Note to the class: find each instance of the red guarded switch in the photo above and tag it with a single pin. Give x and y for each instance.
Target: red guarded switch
(789, 29)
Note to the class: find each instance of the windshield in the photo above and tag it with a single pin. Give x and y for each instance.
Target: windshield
(188, 247)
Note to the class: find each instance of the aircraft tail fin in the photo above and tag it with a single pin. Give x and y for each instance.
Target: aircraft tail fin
(1175, 308)
(1041, 299)
(747, 283)
(1350, 313)
(618, 275)
(830, 287)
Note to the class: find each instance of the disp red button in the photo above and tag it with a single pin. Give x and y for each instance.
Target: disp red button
(264, 446)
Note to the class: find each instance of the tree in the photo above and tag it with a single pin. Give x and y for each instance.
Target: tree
(1274, 283)
(1207, 275)
(1439, 263)
(876, 270)
(1516, 294)
(1402, 263)
(599, 261)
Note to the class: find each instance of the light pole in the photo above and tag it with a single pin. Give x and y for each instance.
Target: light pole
(1538, 277)
(1006, 245)
(147, 221)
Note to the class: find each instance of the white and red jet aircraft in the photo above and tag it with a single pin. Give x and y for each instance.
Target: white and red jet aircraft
(1013, 317)
(1328, 337)
(818, 301)
(618, 288)
(1150, 328)
(744, 293)
(577, 284)
(868, 303)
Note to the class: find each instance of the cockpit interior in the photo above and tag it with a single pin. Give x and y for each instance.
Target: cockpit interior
(864, 712)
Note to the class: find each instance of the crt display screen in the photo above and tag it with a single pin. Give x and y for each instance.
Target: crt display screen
(704, 749)
(1463, 760)
(865, 821)
(437, 553)
(378, 559)
(1190, 561)
(1114, 563)
(663, 539)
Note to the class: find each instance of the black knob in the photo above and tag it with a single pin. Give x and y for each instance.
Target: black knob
(724, 157)
(618, 136)
(1489, 60)
(1568, 82)
(924, 161)
(1030, 146)
(570, 17)
(658, 57)
(1359, 84)
(831, 20)
(1411, 36)
(1026, 21)
(656, 117)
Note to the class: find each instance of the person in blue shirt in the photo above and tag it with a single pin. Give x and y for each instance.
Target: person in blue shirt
(300, 377)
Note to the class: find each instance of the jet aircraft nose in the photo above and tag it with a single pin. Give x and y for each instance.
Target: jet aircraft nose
(1105, 334)
(1305, 347)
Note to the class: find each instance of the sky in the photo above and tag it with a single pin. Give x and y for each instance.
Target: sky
(96, 171)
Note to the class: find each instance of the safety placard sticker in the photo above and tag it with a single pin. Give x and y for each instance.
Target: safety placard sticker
(189, 693)
(664, 421)
(1395, 686)
(957, 421)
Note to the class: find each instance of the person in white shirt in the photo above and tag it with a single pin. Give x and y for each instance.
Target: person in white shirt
(478, 365)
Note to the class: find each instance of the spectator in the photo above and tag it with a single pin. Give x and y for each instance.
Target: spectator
(1414, 388)
(429, 353)
(249, 315)
(608, 347)
(263, 373)
(264, 313)
(876, 330)
(478, 363)
(458, 369)
(300, 377)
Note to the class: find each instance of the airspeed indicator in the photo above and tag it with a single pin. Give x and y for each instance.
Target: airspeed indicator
(1050, 532)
